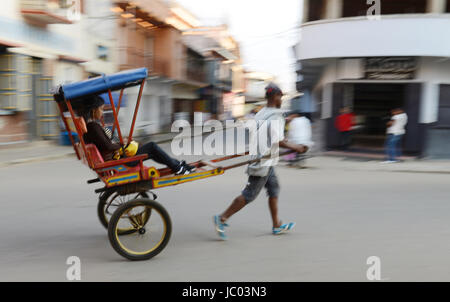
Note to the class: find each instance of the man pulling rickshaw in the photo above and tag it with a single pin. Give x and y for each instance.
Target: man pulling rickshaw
(138, 226)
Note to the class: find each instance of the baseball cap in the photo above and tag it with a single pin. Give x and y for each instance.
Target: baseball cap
(273, 89)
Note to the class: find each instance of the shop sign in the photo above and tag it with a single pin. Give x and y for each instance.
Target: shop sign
(390, 68)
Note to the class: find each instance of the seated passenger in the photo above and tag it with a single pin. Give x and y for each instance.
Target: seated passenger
(109, 146)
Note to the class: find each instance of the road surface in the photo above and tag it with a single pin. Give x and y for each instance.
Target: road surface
(48, 213)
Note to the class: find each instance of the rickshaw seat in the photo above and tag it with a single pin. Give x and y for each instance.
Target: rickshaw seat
(99, 163)
(94, 155)
(81, 124)
(113, 163)
(97, 160)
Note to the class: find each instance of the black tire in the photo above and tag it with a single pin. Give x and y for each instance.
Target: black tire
(103, 203)
(125, 208)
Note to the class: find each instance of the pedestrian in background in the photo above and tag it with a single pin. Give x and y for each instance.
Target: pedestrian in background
(344, 123)
(395, 131)
(299, 132)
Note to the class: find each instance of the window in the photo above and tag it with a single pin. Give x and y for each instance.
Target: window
(66, 3)
(102, 52)
(7, 62)
(7, 81)
(444, 107)
(403, 7)
(316, 9)
(8, 100)
(25, 84)
(354, 8)
(165, 106)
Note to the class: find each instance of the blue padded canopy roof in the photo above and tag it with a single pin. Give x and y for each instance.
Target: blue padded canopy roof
(116, 96)
(102, 84)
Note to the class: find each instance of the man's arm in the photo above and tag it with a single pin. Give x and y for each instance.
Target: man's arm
(293, 147)
(392, 121)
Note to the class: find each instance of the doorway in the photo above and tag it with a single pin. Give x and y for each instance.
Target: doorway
(372, 104)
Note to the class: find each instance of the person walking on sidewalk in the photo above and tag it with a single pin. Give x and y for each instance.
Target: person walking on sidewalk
(299, 133)
(263, 174)
(344, 123)
(395, 131)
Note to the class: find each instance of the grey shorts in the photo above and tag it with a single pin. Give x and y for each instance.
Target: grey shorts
(256, 183)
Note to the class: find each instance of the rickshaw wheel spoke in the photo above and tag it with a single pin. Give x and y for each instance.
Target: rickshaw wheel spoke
(146, 242)
(108, 204)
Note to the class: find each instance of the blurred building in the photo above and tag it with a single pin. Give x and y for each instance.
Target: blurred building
(187, 97)
(188, 75)
(145, 39)
(224, 95)
(401, 59)
(44, 43)
(255, 93)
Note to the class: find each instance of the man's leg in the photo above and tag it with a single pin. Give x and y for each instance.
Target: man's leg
(273, 206)
(388, 147)
(237, 204)
(220, 220)
(273, 190)
(397, 147)
(341, 140)
(348, 139)
(250, 192)
(392, 147)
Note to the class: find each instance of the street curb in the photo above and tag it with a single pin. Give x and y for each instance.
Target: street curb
(417, 171)
(35, 159)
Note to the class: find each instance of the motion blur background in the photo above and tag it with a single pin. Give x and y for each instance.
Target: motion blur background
(211, 59)
(216, 57)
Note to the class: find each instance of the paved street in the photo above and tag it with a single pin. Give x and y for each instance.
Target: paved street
(345, 212)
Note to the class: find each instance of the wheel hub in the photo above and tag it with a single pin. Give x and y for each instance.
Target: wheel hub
(141, 231)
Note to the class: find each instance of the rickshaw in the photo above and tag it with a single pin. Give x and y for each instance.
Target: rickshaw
(138, 226)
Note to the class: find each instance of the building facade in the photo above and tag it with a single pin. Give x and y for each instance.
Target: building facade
(145, 39)
(376, 63)
(224, 95)
(188, 100)
(44, 43)
(255, 92)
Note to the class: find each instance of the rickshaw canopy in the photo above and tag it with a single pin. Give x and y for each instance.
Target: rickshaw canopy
(101, 84)
(76, 98)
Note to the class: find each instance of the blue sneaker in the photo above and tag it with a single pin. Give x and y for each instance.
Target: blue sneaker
(283, 228)
(220, 227)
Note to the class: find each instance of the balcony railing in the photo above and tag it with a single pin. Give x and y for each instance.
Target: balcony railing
(131, 57)
(50, 11)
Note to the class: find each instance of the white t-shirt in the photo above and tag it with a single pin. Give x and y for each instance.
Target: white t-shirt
(270, 125)
(398, 127)
(300, 132)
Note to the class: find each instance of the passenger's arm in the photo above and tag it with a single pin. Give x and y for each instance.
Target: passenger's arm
(100, 139)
